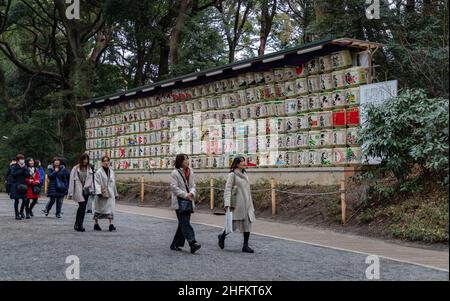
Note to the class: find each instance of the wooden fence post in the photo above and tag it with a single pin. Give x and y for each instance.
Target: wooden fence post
(274, 203)
(211, 185)
(45, 184)
(142, 190)
(343, 202)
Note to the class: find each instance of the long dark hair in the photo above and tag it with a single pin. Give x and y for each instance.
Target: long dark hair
(27, 162)
(82, 158)
(179, 160)
(237, 160)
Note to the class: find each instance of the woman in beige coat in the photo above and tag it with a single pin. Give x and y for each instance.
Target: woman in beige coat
(81, 186)
(243, 210)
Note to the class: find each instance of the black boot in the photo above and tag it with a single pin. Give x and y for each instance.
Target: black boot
(112, 228)
(79, 228)
(16, 210)
(194, 247)
(222, 240)
(246, 248)
(97, 227)
(22, 208)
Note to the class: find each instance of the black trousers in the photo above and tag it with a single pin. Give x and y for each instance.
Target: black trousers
(32, 204)
(16, 205)
(184, 230)
(25, 205)
(81, 212)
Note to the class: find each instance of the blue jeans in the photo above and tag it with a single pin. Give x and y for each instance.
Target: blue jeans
(59, 202)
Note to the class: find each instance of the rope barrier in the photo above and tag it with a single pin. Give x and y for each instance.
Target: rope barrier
(306, 193)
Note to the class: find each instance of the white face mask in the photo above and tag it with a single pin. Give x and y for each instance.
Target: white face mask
(21, 161)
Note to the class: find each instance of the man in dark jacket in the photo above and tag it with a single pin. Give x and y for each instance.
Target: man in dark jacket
(58, 185)
(8, 177)
(18, 187)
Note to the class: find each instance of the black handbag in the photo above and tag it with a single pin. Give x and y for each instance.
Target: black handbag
(22, 188)
(36, 189)
(185, 206)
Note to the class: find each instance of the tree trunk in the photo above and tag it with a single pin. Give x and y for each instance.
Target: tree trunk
(266, 24)
(410, 7)
(175, 36)
(164, 50)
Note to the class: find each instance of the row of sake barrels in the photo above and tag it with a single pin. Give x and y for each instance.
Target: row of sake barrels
(306, 121)
(323, 64)
(319, 157)
(290, 106)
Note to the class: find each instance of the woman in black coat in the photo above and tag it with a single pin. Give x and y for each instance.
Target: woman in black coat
(18, 186)
(57, 173)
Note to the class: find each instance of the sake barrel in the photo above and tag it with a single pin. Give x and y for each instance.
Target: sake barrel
(189, 107)
(301, 71)
(325, 155)
(211, 88)
(260, 93)
(242, 97)
(244, 113)
(218, 86)
(313, 158)
(313, 102)
(303, 122)
(242, 80)
(338, 98)
(290, 89)
(291, 124)
(289, 158)
(325, 119)
(279, 108)
(313, 66)
(269, 76)
(326, 100)
(250, 95)
(302, 103)
(326, 82)
(269, 91)
(301, 86)
(339, 137)
(280, 91)
(313, 138)
(353, 136)
(280, 125)
(290, 141)
(325, 64)
(289, 73)
(339, 118)
(355, 76)
(259, 78)
(352, 116)
(234, 83)
(339, 156)
(280, 161)
(233, 97)
(326, 137)
(278, 74)
(353, 155)
(314, 83)
(341, 59)
(212, 105)
(302, 157)
(250, 78)
(291, 106)
(301, 139)
(351, 96)
(338, 78)
(252, 160)
(251, 110)
(226, 86)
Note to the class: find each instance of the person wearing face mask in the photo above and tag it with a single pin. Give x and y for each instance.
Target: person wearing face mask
(106, 189)
(57, 187)
(18, 187)
(34, 189)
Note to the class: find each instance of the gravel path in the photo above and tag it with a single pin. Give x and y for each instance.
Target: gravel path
(37, 249)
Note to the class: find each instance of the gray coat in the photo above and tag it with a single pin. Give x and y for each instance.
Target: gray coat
(75, 186)
(244, 203)
(178, 188)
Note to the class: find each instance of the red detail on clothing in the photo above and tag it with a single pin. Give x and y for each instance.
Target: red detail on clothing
(187, 173)
(30, 181)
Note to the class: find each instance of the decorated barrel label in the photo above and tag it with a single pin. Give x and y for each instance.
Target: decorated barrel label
(290, 73)
(353, 136)
(351, 96)
(338, 78)
(326, 100)
(280, 160)
(259, 78)
(302, 103)
(325, 64)
(242, 80)
(279, 74)
(355, 76)
(325, 119)
(341, 59)
(302, 157)
(326, 138)
(301, 86)
(314, 138)
(250, 95)
(291, 106)
(291, 124)
(314, 83)
(269, 76)
(303, 122)
(339, 118)
(326, 82)
(325, 155)
(280, 91)
(339, 156)
(250, 78)
(290, 89)
(301, 139)
(313, 102)
(352, 116)
(353, 155)
(313, 66)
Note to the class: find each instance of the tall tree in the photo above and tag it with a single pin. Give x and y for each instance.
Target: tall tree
(268, 11)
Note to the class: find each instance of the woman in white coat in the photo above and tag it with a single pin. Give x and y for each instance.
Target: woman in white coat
(243, 210)
(105, 185)
(81, 187)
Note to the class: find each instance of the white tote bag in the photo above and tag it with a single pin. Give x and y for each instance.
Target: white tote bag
(228, 221)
